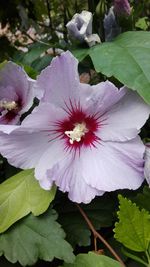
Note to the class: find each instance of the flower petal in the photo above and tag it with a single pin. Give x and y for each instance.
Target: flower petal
(68, 176)
(113, 165)
(60, 167)
(52, 155)
(101, 97)
(59, 81)
(7, 128)
(15, 85)
(44, 117)
(25, 145)
(125, 119)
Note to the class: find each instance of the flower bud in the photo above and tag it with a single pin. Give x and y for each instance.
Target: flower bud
(122, 7)
(80, 28)
(111, 27)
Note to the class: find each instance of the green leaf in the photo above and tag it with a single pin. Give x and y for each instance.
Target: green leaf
(142, 23)
(100, 212)
(80, 53)
(41, 62)
(35, 51)
(20, 195)
(30, 71)
(2, 64)
(127, 58)
(133, 228)
(93, 260)
(134, 257)
(143, 199)
(35, 237)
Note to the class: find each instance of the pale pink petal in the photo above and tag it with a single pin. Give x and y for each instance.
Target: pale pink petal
(8, 93)
(125, 119)
(101, 97)
(7, 128)
(59, 81)
(44, 117)
(25, 145)
(113, 165)
(60, 167)
(15, 77)
(15, 85)
(51, 156)
(68, 176)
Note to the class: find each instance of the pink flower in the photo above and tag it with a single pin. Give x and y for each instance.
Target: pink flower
(82, 138)
(122, 7)
(16, 93)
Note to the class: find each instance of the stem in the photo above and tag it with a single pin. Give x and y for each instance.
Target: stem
(65, 21)
(50, 22)
(97, 235)
(148, 257)
(35, 40)
(49, 15)
(95, 243)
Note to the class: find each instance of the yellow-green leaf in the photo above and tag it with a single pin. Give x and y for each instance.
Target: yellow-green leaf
(133, 228)
(20, 195)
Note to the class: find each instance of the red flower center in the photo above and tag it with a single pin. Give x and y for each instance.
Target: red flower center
(78, 129)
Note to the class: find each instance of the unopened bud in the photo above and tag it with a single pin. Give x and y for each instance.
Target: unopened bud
(80, 28)
(111, 26)
(122, 7)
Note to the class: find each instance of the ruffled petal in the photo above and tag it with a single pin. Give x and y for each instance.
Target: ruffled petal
(59, 82)
(44, 117)
(101, 97)
(24, 145)
(68, 176)
(125, 119)
(113, 165)
(52, 156)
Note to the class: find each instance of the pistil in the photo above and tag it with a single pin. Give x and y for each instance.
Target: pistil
(77, 133)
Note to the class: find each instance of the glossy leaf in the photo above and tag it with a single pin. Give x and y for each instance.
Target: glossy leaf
(20, 195)
(127, 58)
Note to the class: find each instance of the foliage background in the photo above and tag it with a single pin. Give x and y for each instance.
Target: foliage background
(32, 33)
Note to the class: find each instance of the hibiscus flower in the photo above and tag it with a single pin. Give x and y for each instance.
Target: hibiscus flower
(82, 138)
(16, 93)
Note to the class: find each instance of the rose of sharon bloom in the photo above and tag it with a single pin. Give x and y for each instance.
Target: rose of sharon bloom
(122, 7)
(82, 138)
(80, 28)
(16, 93)
(147, 163)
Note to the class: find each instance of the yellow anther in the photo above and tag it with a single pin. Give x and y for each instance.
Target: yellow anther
(77, 133)
(8, 105)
